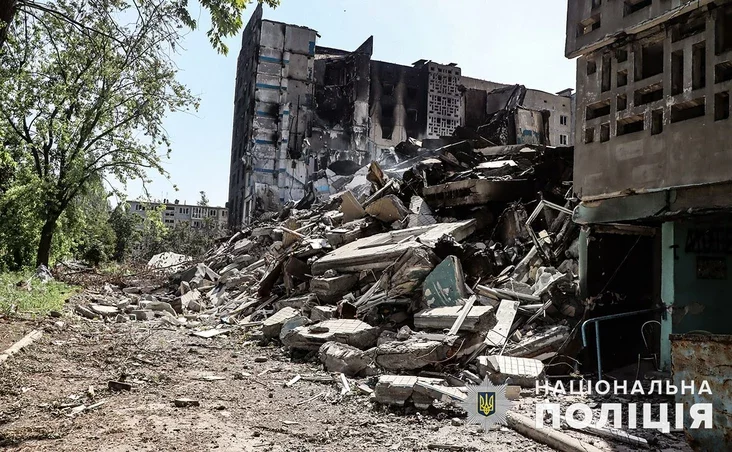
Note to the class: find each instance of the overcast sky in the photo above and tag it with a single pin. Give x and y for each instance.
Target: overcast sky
(520, 41)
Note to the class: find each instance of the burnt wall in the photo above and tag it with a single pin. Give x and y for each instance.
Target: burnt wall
(398, 104)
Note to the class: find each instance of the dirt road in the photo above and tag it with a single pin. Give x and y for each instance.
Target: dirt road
(249, 410)
(244, 404)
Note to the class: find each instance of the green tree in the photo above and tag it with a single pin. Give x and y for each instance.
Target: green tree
(126, 231)
(204, 199)
(226, 16)
(84, 106)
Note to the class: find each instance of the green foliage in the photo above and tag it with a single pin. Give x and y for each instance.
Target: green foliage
(204, 199)
(34, 297)
(81, 106)
(124, 224)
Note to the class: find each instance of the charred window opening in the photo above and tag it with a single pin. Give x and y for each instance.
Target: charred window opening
(656, 122)
(723, 72)
(597, 110)
(633, 6)
(412, 115)
(677, 72)
(629, 125)
(723, 31)
(699, 66)
(721, 106)
(604, 132)
(649, 61)
(588, 25)
(622, 78)
(387, 112)
(688, 110)
(589, 135)
(621, 55)
(688, 27)
(387, 89)
(591, 67)
(606, 71)
(622, 103)
(387, 132)
(411, 93)
(648, 94)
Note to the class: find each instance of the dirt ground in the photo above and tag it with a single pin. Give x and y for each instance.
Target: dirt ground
(248, 410)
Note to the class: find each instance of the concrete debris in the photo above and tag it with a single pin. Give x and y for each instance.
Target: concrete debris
(343, 358)
(351, 332)
(480, 318)
(272, 327)
(169, 262)
(423, 263)
(524, 372)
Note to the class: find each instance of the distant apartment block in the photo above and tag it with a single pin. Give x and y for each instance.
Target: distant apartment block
(194, 215)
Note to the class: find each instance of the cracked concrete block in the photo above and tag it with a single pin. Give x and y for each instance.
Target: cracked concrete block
(524, 372)
(343, 358)
(346, 331)
(157, 306)
(320, 313)
(399, 389)
(272, 327)
(330, 289)
(412, 354)
(480, 318)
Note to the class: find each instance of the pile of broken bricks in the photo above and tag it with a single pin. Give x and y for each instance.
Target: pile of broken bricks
(456, 261)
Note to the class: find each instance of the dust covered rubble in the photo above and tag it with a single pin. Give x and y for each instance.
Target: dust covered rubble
(411, 270)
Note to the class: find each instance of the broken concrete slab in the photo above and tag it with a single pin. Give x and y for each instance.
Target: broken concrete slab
(524, 372)
(388, 209)
(421, 214)
(540, 343)
(243, 246)
(272, 327)
(417, 352)
(409, 271)
(320, 313)
(104, 311)
(343, 358)
(332, 289)
(157, 306)
(351, 208)
(439, 392)
(445, 285)
(86, 312)
(381, 250)
(352, 332)
(505, 315)
(399, 389)
(169, 262)
(473, 192)
(480, 318)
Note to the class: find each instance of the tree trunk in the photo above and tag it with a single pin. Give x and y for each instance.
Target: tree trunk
(44, 246)
(8, 9)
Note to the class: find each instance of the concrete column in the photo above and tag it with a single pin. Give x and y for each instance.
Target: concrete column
(584, 240)
(668, 262)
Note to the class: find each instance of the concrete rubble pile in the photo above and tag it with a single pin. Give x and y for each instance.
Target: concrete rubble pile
(455, 262)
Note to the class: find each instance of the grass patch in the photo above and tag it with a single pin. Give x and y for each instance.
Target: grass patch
(35, 298)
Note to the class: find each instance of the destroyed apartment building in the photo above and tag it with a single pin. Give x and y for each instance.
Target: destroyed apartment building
(305, 114)
(444, 267)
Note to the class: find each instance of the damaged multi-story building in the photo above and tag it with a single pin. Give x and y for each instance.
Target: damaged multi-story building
(653, 167)
(303, 112)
